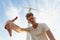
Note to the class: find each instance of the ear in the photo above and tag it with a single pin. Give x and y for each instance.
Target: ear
(34, 18)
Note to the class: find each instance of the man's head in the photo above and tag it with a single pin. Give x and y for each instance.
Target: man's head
(30, 17)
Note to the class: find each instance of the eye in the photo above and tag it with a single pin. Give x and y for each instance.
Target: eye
(30, 18)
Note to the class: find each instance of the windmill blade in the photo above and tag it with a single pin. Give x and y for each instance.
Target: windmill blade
(35, 9)
(30, 8)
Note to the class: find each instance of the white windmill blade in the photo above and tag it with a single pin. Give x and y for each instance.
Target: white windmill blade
(34, 9)
(31, 8)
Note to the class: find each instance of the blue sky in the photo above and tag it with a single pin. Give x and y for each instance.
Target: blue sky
(49, 13)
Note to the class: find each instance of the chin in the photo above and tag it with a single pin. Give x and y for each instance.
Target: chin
(32, 22)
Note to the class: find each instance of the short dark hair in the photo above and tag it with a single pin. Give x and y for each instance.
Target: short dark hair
(29, 14)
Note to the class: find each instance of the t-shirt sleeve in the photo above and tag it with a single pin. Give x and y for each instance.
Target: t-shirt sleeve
(45, 27)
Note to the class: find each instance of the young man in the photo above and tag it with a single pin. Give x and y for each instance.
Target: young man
(38, 31)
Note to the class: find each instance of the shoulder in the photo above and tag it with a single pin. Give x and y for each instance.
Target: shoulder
(42, 24)
(45, 26)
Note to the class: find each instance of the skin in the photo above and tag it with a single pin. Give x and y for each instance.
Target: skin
(50, 35)
(31, 20)
(8, 28)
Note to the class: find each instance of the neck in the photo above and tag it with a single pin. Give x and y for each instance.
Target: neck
(35, 25)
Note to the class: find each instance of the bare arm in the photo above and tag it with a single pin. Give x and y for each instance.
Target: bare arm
(10, 25)
(50, 35)
(18, 29)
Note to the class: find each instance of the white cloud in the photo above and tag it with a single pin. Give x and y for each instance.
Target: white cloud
(12, 12)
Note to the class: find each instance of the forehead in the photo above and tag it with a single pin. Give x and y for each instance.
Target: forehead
(30, 17)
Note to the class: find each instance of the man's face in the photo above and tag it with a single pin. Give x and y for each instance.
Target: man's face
(31, 19)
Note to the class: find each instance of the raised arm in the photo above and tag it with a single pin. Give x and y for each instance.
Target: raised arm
(11, 26)
(18, 29)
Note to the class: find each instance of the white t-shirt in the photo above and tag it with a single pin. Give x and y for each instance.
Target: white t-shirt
(40, 32)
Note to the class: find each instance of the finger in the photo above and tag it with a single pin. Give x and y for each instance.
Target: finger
(14, 19)
(9, 29)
